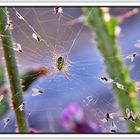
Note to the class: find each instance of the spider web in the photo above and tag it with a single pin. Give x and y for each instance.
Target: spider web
(85, 68)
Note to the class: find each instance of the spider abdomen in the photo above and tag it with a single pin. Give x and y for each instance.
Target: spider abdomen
(60, 63)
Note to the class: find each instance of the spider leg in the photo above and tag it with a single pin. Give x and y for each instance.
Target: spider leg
(55, 72)
(66, 74)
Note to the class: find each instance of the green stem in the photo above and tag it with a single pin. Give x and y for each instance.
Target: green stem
(106, 44)
(13, 75)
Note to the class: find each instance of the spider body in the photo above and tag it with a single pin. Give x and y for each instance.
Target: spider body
(60, 63)
(60, 66)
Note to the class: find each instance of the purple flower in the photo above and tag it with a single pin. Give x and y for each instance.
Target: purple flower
(73, 119)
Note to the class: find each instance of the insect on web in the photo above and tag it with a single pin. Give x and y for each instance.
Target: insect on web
(40, 40)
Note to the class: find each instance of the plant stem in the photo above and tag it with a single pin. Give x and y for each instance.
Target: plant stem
(13, 75)
(106, 44)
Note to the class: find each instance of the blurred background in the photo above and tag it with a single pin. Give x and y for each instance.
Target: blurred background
(85, 66)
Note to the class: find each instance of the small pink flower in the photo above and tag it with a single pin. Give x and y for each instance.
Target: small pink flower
(73, 119)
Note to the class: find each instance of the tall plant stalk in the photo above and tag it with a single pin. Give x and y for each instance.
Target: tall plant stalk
(104, 27)
(13, 76)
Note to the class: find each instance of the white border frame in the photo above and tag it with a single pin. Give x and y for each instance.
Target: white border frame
(70, 136)
(69, 3)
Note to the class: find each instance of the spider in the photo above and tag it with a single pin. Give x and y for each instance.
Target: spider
(60, 66)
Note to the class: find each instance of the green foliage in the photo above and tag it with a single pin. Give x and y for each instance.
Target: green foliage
(4, 104)
(108, 47)
(2, 80)
(27, 78)
(31, 75)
